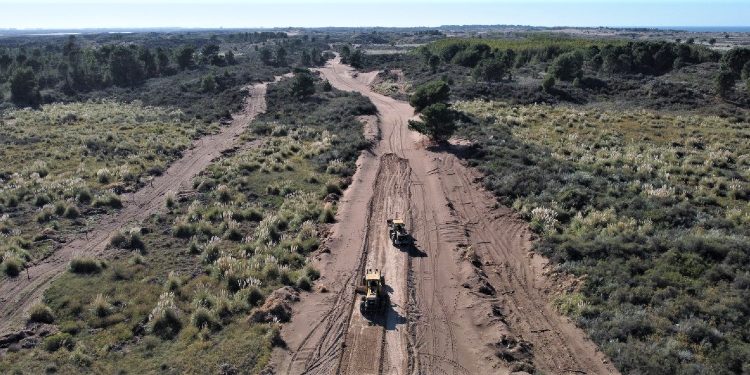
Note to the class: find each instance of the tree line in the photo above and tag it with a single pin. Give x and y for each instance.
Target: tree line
(73, 67)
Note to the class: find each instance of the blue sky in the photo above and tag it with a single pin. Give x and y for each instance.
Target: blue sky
(266, 13)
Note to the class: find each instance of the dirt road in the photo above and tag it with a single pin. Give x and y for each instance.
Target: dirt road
(19, 294)
(469, 298)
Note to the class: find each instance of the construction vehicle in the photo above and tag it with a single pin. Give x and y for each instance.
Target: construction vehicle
(373, 290)
(397, 232)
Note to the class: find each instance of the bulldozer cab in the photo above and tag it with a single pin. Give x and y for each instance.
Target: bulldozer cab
(396, 223)
(398, 233)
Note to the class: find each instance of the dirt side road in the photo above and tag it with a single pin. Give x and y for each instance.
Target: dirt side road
(469, 298)
(19, 294)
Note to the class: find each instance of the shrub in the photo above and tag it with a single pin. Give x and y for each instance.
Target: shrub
(85, 265)
(108, 200)
(304, 283)
(12, 266)
(164, 320)
(59, 209)
(183, 230)
(118, 240)
(327, 215)
(59, 340)
(129, 241)
(253, 296)
(203, 317)
(40, 313)
(137, 259)
(312, 273)
(79, 358)
(100, 307)
(103, 175)
(44, 216)
(170, 203)
(84, 196)
(71, 212)
(173, 282)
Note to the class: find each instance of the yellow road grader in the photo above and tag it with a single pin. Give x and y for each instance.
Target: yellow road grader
(374, 296)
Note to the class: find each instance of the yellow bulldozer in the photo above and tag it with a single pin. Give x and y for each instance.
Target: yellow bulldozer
(374, 297)
(398, 234)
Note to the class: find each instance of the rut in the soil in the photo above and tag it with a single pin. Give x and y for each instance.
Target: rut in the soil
(377, 342)
(19, 294)
(475, 300)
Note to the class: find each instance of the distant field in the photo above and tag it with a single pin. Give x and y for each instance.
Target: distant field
(65, 162)
(521, 44)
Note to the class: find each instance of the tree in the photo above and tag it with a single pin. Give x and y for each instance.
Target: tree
(472, 55)
(712, 41)
(724, 83)
(428, 94)
(567, 66)
(124, 67)
(433, 61)
(149, 63)
(305, 59)
(163, 60)
(303, 85)
(210, 54)
(745, 74)
(355, 58)
(229, 58)
(327, 86)
(24, 89)
(548, 83)
(492, 69)
(185, 57)
(281, 56)
(345, 52)
(5, 61)
(208, 83)
(735, 59)
(266, 56)
(437, 122)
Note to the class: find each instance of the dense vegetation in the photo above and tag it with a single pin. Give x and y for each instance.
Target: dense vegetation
(552, 70)
(189, 290)
(651, 209)
(201, 74)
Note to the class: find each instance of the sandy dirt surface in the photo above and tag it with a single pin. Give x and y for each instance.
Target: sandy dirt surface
(469, 298)
(19, 294)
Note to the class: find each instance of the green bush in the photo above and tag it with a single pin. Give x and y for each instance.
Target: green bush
(12, 266)
(40, 313)
(57, 341)
(304, 283)
(71, 212)
(108, 200)
(85, 265)
(203, 317)
(166, 323)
